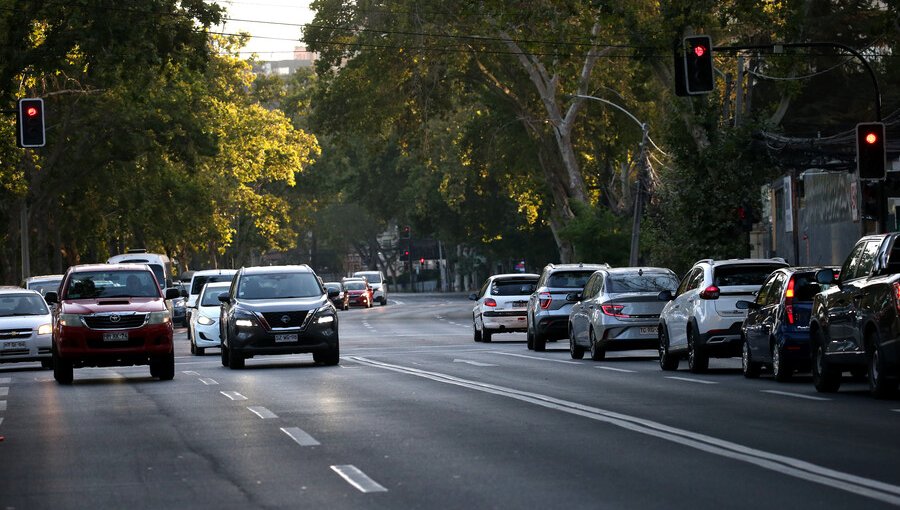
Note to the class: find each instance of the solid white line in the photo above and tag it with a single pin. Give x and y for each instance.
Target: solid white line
(358, 479)
(896, 410)
(795, 395)
(2, 405)
(262, 412)
(537, 358)
(687, 379)
(5, 380)
(207, 381)
(299, 436)
(189, 372)
(790, 466)
(4, 391)
(614, 369)
(233, 395)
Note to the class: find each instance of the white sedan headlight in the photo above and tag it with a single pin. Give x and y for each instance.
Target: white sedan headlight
(45, 329)
(205, 321)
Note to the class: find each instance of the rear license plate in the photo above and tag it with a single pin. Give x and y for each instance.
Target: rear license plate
(519, 304)
(650, 330)
(285, 338)
(13, 345)
(115, 337)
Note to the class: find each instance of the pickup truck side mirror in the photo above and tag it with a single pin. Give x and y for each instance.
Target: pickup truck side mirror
(825, 276)
(224, 297)
(172, 293)
(51, 297)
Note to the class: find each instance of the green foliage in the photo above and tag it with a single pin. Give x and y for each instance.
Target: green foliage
(599, 235)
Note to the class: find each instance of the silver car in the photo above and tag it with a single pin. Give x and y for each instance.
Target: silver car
(618, 309)
(25, 326)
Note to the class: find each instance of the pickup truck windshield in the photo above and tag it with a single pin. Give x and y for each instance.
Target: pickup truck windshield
(111, 284)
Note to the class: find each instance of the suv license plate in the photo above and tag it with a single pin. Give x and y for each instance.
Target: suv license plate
(650, 330)
(285, 338)
(115, 337)
(13, 345)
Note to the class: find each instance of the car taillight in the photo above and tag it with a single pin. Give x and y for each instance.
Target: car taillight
(613, 310)
(789, 301)
(490, 302)
(711, 292)
(544, 298)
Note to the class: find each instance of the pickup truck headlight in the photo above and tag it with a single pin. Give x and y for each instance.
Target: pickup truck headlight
(45, 329)
(159, 317)
(204, 320)
(70, 319)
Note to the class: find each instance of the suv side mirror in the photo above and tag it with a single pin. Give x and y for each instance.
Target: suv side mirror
(665, 295)
(746, 305)
(825, 276)
(333, 293)
(573, 296)
(473, 297)
(224, 297)
(51, 297)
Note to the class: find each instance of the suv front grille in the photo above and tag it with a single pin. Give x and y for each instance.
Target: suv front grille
(285, 320)
(128, 320)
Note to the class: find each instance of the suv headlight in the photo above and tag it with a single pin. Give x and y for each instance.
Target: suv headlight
(244, 319)
(159, 317)
(204, 320)
(70, 319)
(324, 315)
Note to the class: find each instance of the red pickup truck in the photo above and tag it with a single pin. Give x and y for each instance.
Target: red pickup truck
(111, 315)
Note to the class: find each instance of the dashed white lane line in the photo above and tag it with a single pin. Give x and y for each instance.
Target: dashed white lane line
(299, 436)
(2, 405)
(795, 395)
(233, 395)
(687, 379)
(262, 412)
(5, 380)
(475, 363)
(4, 391)
(537, 358)
(614, 369)
(189, 372)
(896, 410)
(358, 479)
(209, 382)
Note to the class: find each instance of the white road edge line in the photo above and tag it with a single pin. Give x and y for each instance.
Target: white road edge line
(299, 436)
(795, 395)
(262, 412)
(209, 382)
(355, 477)
(5, 380)
(614, 369)
(4, 391)
(688, 379)
(2, 405)
(189, 372)
(233, 395)
(790, 466)
(537, 358)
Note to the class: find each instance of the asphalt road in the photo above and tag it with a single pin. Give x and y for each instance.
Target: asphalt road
(417, 415)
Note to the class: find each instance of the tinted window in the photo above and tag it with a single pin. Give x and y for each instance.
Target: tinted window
(777, 290)
(867, 259)
(511, 288)
(278, 286)
(211, 296)
(686, 282)
(44, 287)
(110, 284)
(634, 282)
(333, 286)
(355, 285)
(200, 281)
(372, 277)
(743, 274)
(849, 267)
(805, 287)
(22, 304)
(569, 279)
(765, 290)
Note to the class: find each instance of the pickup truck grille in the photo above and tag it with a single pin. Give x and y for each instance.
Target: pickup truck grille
(128, 320)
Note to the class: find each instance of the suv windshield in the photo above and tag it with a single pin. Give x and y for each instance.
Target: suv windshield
(743, 274)
(22, 304)
(200, 281)
(278, 286)
(109, 284)
(512, 287)
(569, 279)
(634, 282)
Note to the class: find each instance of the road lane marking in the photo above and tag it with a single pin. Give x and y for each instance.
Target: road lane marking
(209, 382)
(614, 369)
(2, 405)
(5, 380)
(538, 358)
(688, 379)
(262, 412)
(233, 395)
(476, 363)
(795, 395)
(189, 372)
(790, 466)
(358, 479)
(299, 436)
(896, 410)
(4, 391)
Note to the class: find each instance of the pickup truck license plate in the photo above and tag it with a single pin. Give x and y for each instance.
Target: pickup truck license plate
(649, 330)
(13, 345)
(285, 338)
(115, 337)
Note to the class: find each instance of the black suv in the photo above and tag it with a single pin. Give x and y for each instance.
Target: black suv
(277, 310)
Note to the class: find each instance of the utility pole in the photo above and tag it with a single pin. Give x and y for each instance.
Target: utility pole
(639, 198)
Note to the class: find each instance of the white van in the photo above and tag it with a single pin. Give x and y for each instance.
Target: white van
(159, 263)
(376, 281)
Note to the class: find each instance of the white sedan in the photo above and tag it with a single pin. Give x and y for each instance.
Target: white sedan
(204, 325)
(500, 305)
(25, 326)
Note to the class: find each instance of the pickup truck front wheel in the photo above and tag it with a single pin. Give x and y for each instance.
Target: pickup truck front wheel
(826, 378)
(880, 384)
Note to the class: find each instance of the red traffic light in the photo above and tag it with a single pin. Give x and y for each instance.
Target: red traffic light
(699, 50)
(871, 138)
(422, 260)
(871, 156)
(30, 120)
(31, 111)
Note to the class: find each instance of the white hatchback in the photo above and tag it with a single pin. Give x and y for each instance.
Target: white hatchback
(25, 326)
(204, 323)
(501, 305)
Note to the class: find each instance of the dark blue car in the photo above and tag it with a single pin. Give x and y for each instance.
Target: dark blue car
(776, 330)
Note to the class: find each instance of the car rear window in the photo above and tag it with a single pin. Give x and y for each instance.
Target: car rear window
(372, 277)
(569, 279)
(355, 286)
(512, 287)
(806, 287)
(44, 287)
(200, 281)
(744, 274)
(634, 282)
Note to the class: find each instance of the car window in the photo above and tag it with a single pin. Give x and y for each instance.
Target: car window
(637, 282)
(22, 304)
(686, 282)
(777, 290)
(201, 280)
(742, 274)
(355, 285)
(278, 286)
(592, 286)
(805, 287)
(44, 287)
(569, 279)
(697, 279)
(210, 296)
(510, 288)
(111, 284)
(372, 277)
(765, 290)
(850, 265)
(867, 259)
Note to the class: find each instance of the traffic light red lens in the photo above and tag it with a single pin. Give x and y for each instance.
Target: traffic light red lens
(31, 111)
(871, 138)
(699, 50)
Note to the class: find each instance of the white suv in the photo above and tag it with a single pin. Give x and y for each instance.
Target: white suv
(702, 320)
(376, 281)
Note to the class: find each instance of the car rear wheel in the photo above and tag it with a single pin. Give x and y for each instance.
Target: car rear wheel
(163, 367)
(63, 371)
(486, 335)
(330, 357)
(224, 355)
(826, 378)
(667, 360)
(698, 361)
(880, 385)
(782, 370)
(575, 350)
(597, 353)
(749, 368)
(529, 338)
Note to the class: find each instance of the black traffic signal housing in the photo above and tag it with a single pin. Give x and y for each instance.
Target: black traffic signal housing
(405, 232)
(30, 123)
(699, 77)
(870, 150)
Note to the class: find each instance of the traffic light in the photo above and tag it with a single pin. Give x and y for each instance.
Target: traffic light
(698, 64)
(405, 233)
(870, 151)
(31, 123)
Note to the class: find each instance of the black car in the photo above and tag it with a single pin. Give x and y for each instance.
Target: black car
(776, 330)
(277, 310)
(342, 299)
